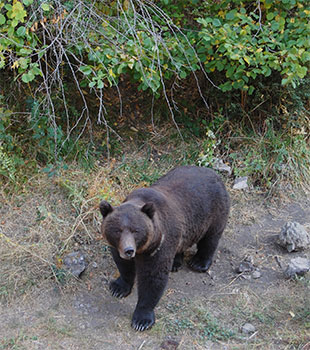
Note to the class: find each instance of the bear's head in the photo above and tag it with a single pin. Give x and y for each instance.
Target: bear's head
(128, 228)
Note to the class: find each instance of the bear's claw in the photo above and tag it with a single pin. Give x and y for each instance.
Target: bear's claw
(142, 321)
(119, 288)
(200, 265)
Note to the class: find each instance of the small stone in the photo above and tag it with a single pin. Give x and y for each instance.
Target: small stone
(256, 274)
(246, 277)
(241, 183)
(95, 265)
(169, 344)
(294, 237)
(297, 267)
(219, 165)
(248, 328)
(249, 259)
(75, 263)
(245, 266)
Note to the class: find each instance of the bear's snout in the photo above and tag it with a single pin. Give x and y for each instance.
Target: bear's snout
(129, 252)
(127, 246)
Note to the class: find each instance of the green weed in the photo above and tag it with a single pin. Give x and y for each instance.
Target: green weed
(53, 327)
(14, 343)
(271, 157)
(187, 316)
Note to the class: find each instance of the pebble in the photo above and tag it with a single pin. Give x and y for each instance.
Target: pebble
(256, 274)
(245, 266)
(241, 183)
(219, 165)
(75, 263)
(248, 328)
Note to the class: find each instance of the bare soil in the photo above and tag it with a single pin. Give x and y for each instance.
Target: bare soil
(197, 311)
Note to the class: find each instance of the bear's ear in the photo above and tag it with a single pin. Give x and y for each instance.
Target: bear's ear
(105, 208)
(148, 209)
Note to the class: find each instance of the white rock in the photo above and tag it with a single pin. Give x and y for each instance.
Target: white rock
(241, 183)
(297, 267)
(256, 274)
(75, 263)
(248, 328)
(219, 165)
(293, 237)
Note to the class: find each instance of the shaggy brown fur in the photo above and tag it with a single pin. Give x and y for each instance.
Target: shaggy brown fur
(152, 228)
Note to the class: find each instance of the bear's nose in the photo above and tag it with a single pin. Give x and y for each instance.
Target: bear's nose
(129, 252)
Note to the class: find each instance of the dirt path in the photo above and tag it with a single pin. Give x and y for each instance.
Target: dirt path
(198, 311)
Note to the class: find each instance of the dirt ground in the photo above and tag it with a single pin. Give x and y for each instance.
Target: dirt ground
(197, 311)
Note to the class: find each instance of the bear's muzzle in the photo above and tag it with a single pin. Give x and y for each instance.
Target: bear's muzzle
(127, 246)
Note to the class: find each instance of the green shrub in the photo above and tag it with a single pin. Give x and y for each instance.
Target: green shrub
(245, 40)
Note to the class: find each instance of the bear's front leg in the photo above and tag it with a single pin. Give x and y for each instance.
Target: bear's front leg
(122, 286)
(152, 274)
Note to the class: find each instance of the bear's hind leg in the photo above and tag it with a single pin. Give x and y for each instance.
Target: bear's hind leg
(177, 262)
(206, 248)
(122, 286)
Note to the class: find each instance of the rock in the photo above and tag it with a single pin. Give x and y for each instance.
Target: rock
(248, 328)
(256, 274)
(293, 237)
(246, 277)
(75, 263)
(245, 266)
(297, 267)
(219, 165)
(241, 183)
(169, 344)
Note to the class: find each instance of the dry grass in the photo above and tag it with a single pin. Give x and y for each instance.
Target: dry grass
(44, 221)
(50, 217)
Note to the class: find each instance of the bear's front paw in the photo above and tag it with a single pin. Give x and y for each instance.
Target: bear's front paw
(199, 264)
(142, 320)
(119, 288)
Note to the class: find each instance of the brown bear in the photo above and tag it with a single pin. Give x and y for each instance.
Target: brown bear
(149, 232)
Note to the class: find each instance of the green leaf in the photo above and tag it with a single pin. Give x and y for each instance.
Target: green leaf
(100, 84)
(21, 31)
(45, 6)
(25, 51)
(182, 75)
(231, 14)
(305, 56)
(86, 70)
(251, 90)
(301, 71)
(270, 16)
(219, 66)
(216, 22)
(27, 2)
(2, 19)
(14, 23)
(25, 78)
(18, 13)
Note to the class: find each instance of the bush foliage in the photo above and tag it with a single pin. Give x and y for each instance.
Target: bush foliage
(104, 40)
(58, 53)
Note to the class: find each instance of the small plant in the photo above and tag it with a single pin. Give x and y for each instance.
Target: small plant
(7, 166)
(209, 145)
(271, 156)
(61, 275)
(189, 317)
